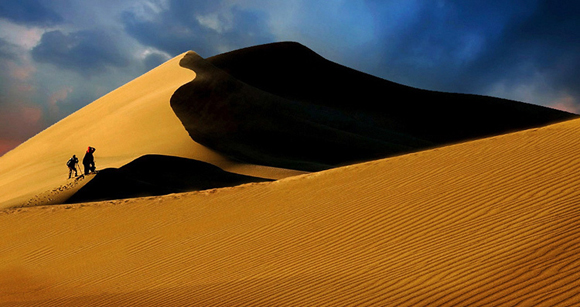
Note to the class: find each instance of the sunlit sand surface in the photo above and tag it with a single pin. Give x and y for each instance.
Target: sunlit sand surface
(130, 122)
(491, 222)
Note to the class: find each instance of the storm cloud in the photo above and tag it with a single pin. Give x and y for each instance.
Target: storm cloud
(85, 51)
(29, 12)
(492, 47)
(201, 25)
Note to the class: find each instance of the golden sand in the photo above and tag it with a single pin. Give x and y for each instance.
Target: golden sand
(134, 120)
(489, 222)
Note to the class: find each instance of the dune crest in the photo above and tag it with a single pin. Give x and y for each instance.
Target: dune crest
(131, 121)
(283, 105)
(268, 111)
(487, 222)
(251, 125)
(492, 222)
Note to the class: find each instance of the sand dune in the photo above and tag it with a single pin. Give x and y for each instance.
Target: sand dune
(490, 222)
(269, 111)
(116, 125)
(130, 122)
(284, 105)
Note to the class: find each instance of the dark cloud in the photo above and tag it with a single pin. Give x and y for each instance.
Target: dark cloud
(550, 40)
(522, 47)
(6, 54)
(84, 51)
(543, 43)
(29, 12)
(438, 40)
(203, 26)
(467, 46)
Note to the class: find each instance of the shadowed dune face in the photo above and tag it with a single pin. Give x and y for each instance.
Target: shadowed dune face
(255, 126)
(153, 175)
(283, 105)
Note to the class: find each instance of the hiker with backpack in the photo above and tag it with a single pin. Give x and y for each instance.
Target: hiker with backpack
(72, 166)
(89, 161)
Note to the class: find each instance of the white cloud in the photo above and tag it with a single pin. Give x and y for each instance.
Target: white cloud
(148, 10)
(219, 22)
(22, 36)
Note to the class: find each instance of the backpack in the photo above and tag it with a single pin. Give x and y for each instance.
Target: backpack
(70, 162)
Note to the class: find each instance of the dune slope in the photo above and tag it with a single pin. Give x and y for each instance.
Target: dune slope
(133, 120)
(122, 126)
(284, 105)
(269, 111)
(492, 222)
(252, 125)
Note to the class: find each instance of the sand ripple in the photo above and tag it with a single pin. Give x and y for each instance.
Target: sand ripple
(487, 223)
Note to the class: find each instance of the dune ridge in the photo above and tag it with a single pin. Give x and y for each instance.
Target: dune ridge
(268, 111)
(251, 125)
(283, 105)
(131, 121)
(491, 222)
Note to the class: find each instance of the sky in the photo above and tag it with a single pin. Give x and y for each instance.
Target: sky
(57, 56)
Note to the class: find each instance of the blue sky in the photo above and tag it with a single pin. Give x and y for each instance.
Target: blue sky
(57, 56)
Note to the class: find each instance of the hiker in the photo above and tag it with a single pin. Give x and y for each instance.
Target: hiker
(89, 160)
(72, 166)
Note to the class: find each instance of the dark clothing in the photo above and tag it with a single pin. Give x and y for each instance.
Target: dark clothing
(89, 158)
(70, 170)
(89, 161)
(72, 166)
(89, 167)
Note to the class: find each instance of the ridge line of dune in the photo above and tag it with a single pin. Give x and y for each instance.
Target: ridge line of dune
(283, 105)
(130, 121)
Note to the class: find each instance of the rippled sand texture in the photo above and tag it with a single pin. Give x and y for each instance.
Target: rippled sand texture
(489, 222)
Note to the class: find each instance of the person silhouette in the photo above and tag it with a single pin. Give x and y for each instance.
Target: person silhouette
(72, 166)
(89, 161)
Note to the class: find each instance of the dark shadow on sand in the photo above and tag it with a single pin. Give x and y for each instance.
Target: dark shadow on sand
(153, 175)
(283, 105)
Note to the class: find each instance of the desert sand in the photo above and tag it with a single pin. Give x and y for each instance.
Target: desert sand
(489, 222)
(132, 121)
(486, 222)
(269, 111)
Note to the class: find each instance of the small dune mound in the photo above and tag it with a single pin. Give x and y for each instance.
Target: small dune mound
(284, 105)
(153, 175)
